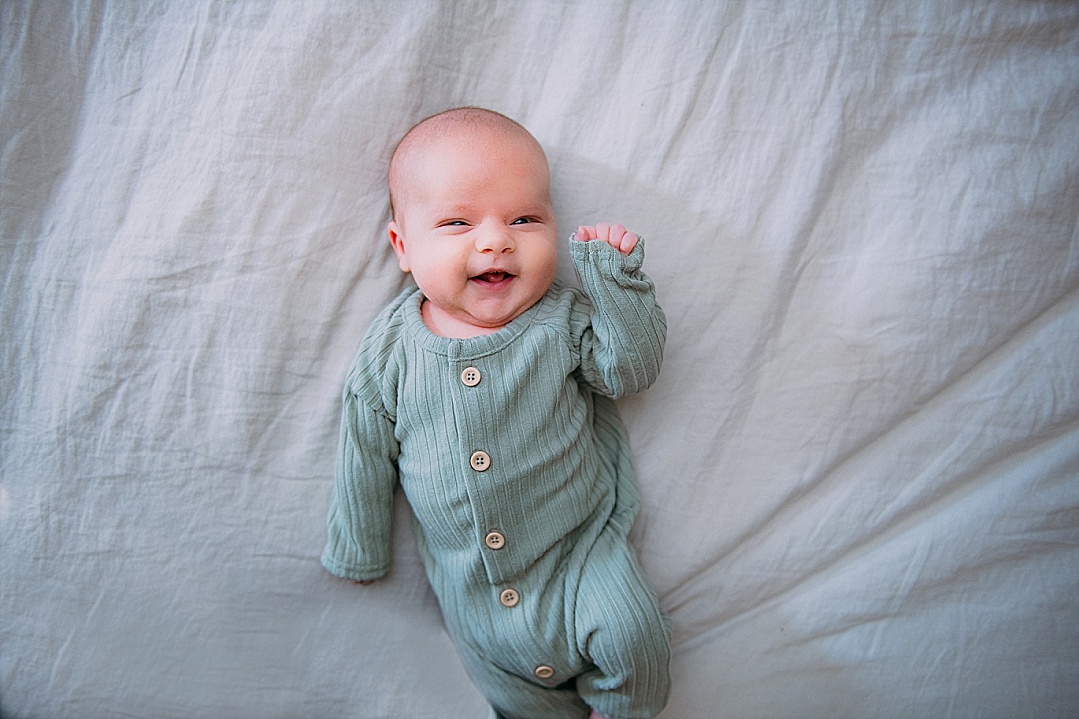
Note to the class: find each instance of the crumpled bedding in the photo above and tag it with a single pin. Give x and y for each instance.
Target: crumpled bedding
(859, 468)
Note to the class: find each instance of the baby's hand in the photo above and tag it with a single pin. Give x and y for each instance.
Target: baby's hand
(616, 236)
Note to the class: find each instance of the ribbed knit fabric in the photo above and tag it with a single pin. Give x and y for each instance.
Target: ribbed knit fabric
(543, 513)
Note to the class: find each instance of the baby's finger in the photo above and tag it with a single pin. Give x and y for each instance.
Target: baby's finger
(603, 232)
(617, 231)
(627, 243)
(585, 233)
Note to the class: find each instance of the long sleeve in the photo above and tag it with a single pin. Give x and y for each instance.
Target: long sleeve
(364, 479)
(622, 345)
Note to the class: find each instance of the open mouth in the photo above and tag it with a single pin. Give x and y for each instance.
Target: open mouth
(493, 277)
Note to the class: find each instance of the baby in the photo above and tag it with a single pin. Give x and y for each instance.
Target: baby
(486, 393)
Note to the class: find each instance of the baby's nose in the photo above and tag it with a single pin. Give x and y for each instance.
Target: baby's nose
(495, 240)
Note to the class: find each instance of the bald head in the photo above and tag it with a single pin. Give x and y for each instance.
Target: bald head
(462, 125)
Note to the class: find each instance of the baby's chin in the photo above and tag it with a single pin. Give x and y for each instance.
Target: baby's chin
(500, 305)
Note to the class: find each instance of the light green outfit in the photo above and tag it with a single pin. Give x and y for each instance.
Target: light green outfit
(543, 511)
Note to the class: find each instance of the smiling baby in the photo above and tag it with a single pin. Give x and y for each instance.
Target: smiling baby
(487, 394)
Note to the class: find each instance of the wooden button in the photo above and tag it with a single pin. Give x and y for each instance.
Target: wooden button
(480, 461)
(509, 597)
(544, 672)
(471, 377)
(495, 540)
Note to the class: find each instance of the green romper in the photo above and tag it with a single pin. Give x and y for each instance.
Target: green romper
(517, 469)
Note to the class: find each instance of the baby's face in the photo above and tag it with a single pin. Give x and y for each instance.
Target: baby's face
(475, 227)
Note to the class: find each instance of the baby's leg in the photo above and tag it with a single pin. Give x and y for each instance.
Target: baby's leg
(622, 630)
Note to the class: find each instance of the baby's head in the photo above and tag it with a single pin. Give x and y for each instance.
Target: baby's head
(472, 219)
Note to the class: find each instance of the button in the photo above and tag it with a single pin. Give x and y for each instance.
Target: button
(495, 540)
(544, 672)
(480, 461)
(509, 597)
(471, 377)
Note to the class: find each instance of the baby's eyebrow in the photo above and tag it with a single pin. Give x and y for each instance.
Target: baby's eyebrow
(458, 208)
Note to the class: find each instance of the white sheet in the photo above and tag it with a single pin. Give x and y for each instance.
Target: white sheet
(859, 469)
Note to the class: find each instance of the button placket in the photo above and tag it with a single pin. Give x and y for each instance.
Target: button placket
(474, 407)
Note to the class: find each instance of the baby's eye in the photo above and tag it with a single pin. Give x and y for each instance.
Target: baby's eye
(452, 223)
(523, 220)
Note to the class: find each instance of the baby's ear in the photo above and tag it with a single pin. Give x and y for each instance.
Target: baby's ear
(398, 242)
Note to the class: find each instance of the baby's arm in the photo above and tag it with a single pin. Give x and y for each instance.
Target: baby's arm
(615, 235)
(359, 525)
(622, 346)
